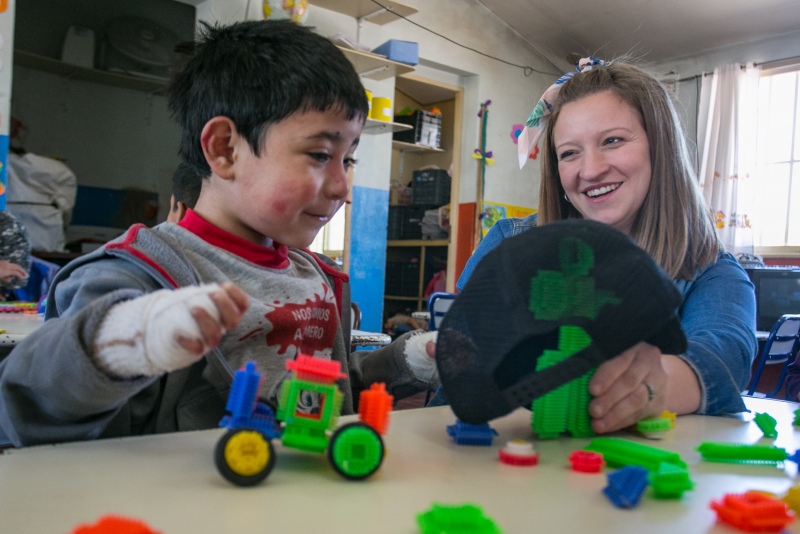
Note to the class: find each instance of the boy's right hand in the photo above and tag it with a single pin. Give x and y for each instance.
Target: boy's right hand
(167, 330)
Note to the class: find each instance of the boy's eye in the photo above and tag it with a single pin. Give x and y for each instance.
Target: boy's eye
(321, 157)
(349, 163)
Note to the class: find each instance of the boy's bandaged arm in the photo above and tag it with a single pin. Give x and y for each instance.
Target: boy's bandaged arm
(403, 366)
(141, 337)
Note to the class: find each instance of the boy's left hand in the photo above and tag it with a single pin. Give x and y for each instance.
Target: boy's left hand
(628, 388)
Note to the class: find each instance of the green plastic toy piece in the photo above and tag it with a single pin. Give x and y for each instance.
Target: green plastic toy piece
(566, 407)
(767, 424)
(620, 452)
(738, 453)
(796, 421)
(654, 425)
(569, 292)
(554, 295)
(309, 432)
(456, 519)
(670, 481)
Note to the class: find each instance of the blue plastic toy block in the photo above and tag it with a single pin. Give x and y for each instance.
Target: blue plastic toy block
(626, 485)
(467, 434)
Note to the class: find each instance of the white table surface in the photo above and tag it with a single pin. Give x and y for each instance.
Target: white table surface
(18, 325)
(170, 482)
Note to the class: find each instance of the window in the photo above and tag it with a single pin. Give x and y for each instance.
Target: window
(330, 240)
(777, 197)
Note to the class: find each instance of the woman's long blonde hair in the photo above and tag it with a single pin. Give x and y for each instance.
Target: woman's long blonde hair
(673, 225)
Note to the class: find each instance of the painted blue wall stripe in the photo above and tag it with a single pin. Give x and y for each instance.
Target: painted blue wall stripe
(369, 216)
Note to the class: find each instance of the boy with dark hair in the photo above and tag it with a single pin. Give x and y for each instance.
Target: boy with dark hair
(141, 335)
(185, 192)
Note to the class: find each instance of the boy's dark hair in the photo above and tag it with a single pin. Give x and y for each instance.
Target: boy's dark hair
(258, 73)
(186, 184)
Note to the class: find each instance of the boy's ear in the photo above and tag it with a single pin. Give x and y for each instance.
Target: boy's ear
(216, 140)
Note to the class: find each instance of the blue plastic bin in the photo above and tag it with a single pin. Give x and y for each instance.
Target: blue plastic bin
(400, 51)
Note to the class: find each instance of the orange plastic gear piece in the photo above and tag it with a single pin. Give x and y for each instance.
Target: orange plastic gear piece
(753, 512)
(374, 406)
(112, 524)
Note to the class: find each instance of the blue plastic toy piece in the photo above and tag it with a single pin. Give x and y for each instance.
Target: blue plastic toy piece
(244, 408)
(626, 485)
(467, 434)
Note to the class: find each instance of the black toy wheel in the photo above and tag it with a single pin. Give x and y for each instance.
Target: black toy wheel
(244, 456)
(355, 451)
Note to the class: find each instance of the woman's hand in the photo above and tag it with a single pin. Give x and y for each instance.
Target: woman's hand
(628, 388)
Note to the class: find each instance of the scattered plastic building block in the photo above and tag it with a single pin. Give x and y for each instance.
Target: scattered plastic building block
(456, 519)
(738, 453)
(796, 421)
(112, 524)
(666, 414)
(619, 452)
(374, 406)
(586, 461)
(753, 512)
(626, 485)
(670, 481)
(767, 424)
(518, 452)
(654, 427)
(467, 434)
(792, 498)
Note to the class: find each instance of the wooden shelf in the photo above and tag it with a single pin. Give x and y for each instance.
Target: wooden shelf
(396, 297)
(373, 127)
(374, 66)
(417, 243)
(54, 66)
(402, 146)
(367, 9)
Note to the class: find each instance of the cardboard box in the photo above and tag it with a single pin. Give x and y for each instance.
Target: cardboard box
(401, 51)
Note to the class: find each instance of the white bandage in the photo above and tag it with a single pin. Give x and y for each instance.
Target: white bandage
(422, 365)
(140, 336)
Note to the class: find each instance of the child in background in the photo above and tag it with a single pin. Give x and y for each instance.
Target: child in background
(141, 335)
(185, 192)
(15, 254)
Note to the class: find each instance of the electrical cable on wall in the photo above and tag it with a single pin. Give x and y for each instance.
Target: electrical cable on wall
(527, 70)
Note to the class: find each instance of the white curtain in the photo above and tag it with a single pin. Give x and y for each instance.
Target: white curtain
(726, 135)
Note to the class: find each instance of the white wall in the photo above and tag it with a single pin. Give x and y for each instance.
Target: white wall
(513, 95)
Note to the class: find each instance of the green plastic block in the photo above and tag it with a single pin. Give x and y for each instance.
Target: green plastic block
(767, 424)
(670, 481)
(738, 453)
(620, 452)
(456, 519)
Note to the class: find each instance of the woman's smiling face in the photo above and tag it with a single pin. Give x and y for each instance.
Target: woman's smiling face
(603, 158)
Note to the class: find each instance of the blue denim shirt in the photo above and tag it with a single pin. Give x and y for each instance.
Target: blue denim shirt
(717, 313)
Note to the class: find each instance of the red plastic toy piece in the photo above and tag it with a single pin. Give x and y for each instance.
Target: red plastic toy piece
(753, 512)
(374, 406)
(519, 453)
(586, 461)
(112, 524)
(315, 369)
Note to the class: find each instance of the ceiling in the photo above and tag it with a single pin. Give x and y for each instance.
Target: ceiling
(651, 31)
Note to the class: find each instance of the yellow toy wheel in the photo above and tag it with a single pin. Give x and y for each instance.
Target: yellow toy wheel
(244, 456)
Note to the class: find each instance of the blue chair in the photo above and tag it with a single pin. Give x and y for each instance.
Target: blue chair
(438, 304)
(780, 348)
